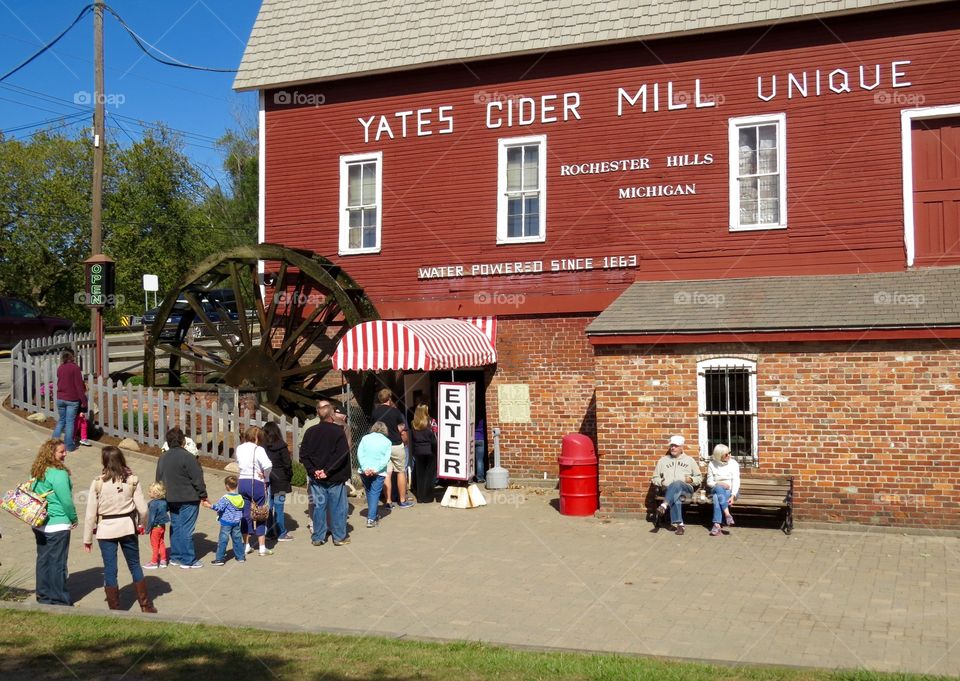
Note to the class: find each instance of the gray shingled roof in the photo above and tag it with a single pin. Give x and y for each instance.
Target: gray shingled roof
(295, 41)
(912, 299)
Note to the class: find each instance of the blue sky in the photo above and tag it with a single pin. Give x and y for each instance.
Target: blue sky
(202, 105)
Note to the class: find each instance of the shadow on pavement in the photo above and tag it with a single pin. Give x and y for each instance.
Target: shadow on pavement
(85, 582)
(204, 545)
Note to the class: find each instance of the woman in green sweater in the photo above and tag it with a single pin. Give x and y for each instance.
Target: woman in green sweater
(53, 538)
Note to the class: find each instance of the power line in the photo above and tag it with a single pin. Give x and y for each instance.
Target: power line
(76, 116)
(109, 68)
(50, 44)
(154, 126)
(38, 108)
(58, 100)
(121, 128)
(83, 111)
(52, 128)
(140, 42)
(143, 44)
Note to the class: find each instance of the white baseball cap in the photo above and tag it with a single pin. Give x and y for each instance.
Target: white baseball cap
(677, 440)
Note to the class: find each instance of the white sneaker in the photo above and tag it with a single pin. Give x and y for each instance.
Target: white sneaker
(86, 443)
(248, 550)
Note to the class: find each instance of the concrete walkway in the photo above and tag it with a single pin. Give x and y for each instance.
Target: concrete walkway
(517, 572)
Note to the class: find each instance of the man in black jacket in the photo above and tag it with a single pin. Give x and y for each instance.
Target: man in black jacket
(181, 475)
(326, 456)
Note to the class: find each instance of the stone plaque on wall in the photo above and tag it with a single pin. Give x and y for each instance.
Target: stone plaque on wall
(514, 400)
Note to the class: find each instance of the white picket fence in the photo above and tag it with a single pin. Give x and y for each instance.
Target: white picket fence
(33, 367)
(142, 414)
(145, 414)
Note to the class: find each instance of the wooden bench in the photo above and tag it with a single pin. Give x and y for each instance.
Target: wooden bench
(756, 494)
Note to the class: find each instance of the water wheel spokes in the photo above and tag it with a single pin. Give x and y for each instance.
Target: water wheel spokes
(266, 319)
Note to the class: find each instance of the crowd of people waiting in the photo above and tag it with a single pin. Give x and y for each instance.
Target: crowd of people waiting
(253, 503)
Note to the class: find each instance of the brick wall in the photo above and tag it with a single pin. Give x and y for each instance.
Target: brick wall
(553, 357)
(869, 430)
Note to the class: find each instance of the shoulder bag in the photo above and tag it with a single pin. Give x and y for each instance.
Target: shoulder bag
(26, 505)
(258, 513)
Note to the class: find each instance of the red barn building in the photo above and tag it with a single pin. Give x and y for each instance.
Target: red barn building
(733, 221)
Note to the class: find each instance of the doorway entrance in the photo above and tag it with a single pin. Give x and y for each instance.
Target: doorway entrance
(932, 175)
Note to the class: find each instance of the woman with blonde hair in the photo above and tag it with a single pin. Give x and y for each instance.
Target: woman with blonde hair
(115, 514)
(723, 477)
(424, 444)
(254, 471)
(51, 477)
(373, 455)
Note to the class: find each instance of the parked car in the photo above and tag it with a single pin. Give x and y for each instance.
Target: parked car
(213, 307)
(20, 320)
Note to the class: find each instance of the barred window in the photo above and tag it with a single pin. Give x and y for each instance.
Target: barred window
(727, 391)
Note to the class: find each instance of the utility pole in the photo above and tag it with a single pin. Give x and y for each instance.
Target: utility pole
(99, 142)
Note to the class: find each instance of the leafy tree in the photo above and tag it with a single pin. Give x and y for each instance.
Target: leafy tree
(45, 220)
(159, 217)
(233, 211)
(152, 214)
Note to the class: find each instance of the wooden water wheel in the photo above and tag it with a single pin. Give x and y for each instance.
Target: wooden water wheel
(262, 319)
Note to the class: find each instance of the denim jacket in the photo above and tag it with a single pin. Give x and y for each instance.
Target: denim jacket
(157, 514)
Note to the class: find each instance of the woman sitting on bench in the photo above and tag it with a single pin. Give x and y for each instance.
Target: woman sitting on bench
(723, 478)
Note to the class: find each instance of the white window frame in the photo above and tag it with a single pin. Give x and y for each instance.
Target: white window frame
(345, 162)
(503, 145)
(733, 146)
(907, 117)
(726, 362)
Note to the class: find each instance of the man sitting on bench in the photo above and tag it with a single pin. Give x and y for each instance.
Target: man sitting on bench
(676, 475)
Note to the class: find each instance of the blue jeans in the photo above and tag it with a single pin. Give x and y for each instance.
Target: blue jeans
(252, 490)
(228, 532)
(52, 551)
(675, 490)
(480, 448)
(374, 486)
(67, 423)
(278, 523)
(131, 554)
(183, 520)
(721, 499)
(333, 500)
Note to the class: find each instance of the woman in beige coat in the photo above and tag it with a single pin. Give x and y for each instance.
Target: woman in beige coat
(115, 514)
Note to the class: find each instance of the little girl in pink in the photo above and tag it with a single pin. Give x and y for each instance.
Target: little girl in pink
(81, 429)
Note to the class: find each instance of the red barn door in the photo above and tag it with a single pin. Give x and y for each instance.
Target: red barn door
(936, 191)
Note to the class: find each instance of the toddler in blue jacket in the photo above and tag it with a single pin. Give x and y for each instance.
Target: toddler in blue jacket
(229, 509)
(157, 518)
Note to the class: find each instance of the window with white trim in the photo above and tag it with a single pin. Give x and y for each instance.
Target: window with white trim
(522, 190)
(727, 407)
(360, 203)
(758, 172)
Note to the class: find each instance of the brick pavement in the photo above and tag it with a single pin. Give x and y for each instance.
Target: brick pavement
(516, 572)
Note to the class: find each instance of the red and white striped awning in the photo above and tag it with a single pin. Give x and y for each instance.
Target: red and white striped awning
(418, 345)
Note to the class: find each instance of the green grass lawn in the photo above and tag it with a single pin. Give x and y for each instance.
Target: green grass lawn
(36, 645)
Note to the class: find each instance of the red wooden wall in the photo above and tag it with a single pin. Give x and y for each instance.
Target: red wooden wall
(845, 210)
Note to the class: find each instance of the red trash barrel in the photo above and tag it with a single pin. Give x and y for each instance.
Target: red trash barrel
(579, 476)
